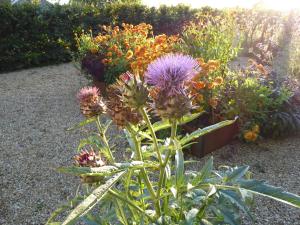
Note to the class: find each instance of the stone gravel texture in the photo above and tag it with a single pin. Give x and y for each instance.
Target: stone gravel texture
(276, 161)
(36, 107)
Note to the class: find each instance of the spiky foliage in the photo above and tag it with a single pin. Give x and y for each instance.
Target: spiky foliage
(174, 106)
(88, 159)
(134, 91)
(171, 72)
(169, 76)
(120, 113)
(91, 104)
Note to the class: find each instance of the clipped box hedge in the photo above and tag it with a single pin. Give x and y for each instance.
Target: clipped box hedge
(31, 35)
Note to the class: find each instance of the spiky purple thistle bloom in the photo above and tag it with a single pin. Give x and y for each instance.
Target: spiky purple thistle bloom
(87, 92)
(91, 103)
(171, 71)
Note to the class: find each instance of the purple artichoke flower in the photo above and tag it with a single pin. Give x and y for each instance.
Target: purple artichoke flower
(170, 72)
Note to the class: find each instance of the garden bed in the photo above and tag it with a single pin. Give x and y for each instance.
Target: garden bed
(37, 105)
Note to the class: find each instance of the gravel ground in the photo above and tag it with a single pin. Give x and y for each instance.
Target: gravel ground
(278, 162)
(37, 105)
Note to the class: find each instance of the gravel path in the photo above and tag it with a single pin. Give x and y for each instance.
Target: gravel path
(37, 105)
(278, 162)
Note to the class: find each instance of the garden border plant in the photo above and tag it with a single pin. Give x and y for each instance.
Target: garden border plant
(152, 186)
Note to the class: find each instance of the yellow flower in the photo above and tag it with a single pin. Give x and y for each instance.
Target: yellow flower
(218, 80)
(94, 50)
(250, 136)
(214, 63)
(199, 98)
(211, 85)
(129, 54)
(133, 65)
(200, 61)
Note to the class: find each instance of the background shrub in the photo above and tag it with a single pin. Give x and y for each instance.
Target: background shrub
(31, 35)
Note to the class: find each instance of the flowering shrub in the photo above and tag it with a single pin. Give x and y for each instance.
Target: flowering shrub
(205, 85)
(127, 48)
(152, 186)
(253, 94)
(211, 37)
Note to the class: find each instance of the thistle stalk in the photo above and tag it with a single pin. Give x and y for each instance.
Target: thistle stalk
(104, 139)
(165, 163)
(150, 127)
(127, 201)
(144, 172)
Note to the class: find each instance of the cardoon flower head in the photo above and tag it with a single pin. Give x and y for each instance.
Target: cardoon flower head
(91, 103)
(88, 159)
(87, 93)
(171, 72)
(133, 90)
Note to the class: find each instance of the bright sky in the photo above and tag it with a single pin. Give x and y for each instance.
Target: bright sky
(271, 4)
(284, 5)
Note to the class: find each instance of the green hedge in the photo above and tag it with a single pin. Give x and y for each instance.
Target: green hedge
(33, 36)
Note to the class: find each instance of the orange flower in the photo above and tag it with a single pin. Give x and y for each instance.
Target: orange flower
(199, 98)
(109, 54)
(115, 48)
(129, 54)
(198, 85)
(119, 54)
(144, 33)
(262, 69)
(210, 85)
(157, 48)
(104, 61)
(116, 29)
(127, 46)
(137, 50)
(200, 61)
(250, 136)
(160, 38)
(218, 80)
(204, 69)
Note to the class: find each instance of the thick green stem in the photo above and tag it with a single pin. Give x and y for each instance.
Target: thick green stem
(104, 139)
(133, 205)
(165, 163)
(150, 127)
(143, 170)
